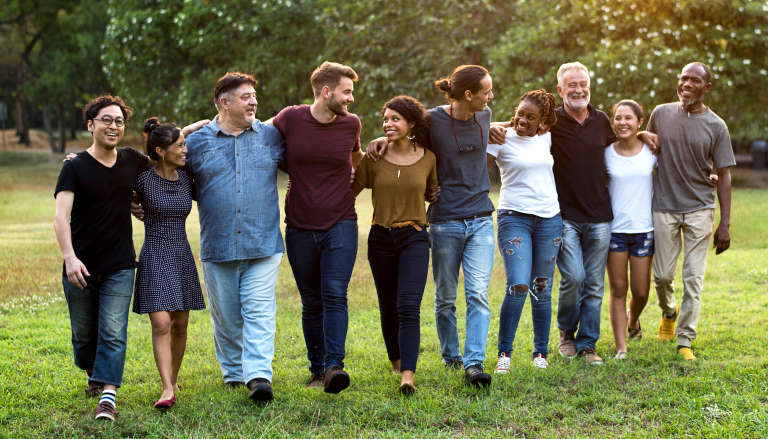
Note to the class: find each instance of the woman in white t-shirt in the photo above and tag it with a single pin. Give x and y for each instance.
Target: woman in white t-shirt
(630, 165)
(529, 224)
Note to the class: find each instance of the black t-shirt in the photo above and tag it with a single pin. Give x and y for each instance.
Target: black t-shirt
(580, 174)
(101, 211)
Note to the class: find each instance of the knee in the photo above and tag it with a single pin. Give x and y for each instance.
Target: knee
(161, 326)
(663, 281)
(518, 291)
(572, 281)
(542, 288)
(179, 325)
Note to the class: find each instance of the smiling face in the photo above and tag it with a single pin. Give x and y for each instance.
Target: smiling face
(395, 126)
(480, 99)
(527, 118)
(341, 96)
(692, 85)
(107, 136)
(240, 105)
(574, 89)
(176, 154)
(625, 122)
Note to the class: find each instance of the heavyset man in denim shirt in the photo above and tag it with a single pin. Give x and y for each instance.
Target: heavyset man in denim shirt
(234, 160)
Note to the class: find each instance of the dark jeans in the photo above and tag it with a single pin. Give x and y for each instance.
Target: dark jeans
(399, 261)
(99, 318)
(322, 262)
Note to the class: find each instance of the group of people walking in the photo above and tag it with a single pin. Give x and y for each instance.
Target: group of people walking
(579, 189)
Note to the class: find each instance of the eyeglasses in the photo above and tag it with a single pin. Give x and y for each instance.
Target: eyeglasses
(106, 120)
(466, 148)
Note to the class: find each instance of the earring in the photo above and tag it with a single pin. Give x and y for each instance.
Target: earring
(412, 138)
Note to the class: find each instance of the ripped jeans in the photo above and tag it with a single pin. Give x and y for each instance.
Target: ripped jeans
(528, 245)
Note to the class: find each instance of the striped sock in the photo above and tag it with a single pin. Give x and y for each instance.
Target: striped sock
(108, 396)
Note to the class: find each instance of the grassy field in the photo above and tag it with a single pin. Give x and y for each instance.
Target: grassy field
(652, 394)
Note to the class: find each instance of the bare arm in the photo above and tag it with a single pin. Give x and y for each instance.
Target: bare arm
(490, 161)
(75, 269)
(650, 139)
(355, 157)
(191, 128)
(376, 148)
(498, 133)
(722, 234)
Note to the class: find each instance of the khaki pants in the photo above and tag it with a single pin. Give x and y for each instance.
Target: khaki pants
(696, 228)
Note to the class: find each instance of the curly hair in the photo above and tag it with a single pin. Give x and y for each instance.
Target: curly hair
(92, 108)
(414, 112)
(158, 134)
(546, 103)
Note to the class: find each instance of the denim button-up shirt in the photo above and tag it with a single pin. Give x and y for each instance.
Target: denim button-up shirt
(236, 179)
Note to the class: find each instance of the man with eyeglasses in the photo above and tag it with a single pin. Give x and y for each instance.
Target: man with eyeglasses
(93, 228)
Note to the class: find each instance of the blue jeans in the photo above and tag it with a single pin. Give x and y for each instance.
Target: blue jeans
(528, 245)
(466, 244)
(322, 262)
(99, 318)
(582, 262)
(241, 296)
(399, 261)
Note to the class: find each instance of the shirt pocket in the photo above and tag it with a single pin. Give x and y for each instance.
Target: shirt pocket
(261, 156)
(214, 160)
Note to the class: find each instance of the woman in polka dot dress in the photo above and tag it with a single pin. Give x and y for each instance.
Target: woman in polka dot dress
(167, 284)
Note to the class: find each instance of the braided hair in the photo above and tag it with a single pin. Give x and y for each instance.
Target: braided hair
(546, 103)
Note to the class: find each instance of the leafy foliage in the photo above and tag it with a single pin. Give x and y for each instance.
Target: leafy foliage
(636, 49)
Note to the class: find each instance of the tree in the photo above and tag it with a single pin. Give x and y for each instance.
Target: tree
(636, 49)
(401, 47)
(164, 57)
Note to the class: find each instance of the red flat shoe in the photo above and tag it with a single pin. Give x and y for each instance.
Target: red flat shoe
(165, 403)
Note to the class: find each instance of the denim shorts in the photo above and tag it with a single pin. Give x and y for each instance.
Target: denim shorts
(637, 244)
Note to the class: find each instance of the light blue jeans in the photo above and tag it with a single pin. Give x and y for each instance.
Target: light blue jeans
(581, 263)
(469, 245)
(241, 295)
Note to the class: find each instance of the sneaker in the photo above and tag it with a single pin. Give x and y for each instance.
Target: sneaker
(474, 375)
(106, 410)
(335, 380)
(454, 364)
(93, 389)
(260, 390)
(540, 360)
(635, 333)
(590, 357)
(620, 356)
(502, 366)
(686, 353)
(316, 380)
(667, 327)
(567, 345)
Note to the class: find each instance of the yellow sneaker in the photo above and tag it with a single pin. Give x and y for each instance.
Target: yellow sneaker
(667, 327)
(686, 353)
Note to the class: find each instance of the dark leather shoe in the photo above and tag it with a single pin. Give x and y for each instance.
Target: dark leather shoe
(474, 375)
(260, 390)
(335, 380)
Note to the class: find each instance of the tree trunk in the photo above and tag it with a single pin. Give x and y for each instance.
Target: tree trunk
(62, 128)
(22, 119)
(73, 123)
(48, 128)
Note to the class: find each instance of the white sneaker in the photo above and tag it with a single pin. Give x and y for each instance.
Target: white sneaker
(540, 361)
(620, 356)
(502, 366)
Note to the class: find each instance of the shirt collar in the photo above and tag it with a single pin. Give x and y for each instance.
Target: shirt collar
(255, 127)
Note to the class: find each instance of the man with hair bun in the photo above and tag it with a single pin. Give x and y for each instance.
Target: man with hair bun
(93, 229)
(693, 140)
(322, 148)
(234, 160)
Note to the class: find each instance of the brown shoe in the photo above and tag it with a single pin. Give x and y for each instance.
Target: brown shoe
(567, 345)
(590, 357)
(335, 380)
(93, 389)
(316, 380)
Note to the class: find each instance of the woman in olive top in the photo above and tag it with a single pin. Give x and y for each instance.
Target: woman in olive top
(398, 243)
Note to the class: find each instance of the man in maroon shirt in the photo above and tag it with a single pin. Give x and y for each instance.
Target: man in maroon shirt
(322, 146)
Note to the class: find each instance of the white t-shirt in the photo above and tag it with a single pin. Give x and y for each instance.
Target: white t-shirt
(630, 184)
(527, 181)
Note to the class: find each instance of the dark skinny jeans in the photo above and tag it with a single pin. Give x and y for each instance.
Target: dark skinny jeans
(399, 261)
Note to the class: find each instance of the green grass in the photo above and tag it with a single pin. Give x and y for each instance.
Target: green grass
(653, 394)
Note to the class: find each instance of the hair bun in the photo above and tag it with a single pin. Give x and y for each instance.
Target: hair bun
(150, 124)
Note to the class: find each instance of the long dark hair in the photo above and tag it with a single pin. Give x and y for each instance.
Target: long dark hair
(466, 77)
(414, 112)
(159, 134)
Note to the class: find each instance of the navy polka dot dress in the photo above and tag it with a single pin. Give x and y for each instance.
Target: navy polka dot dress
(166, 279)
